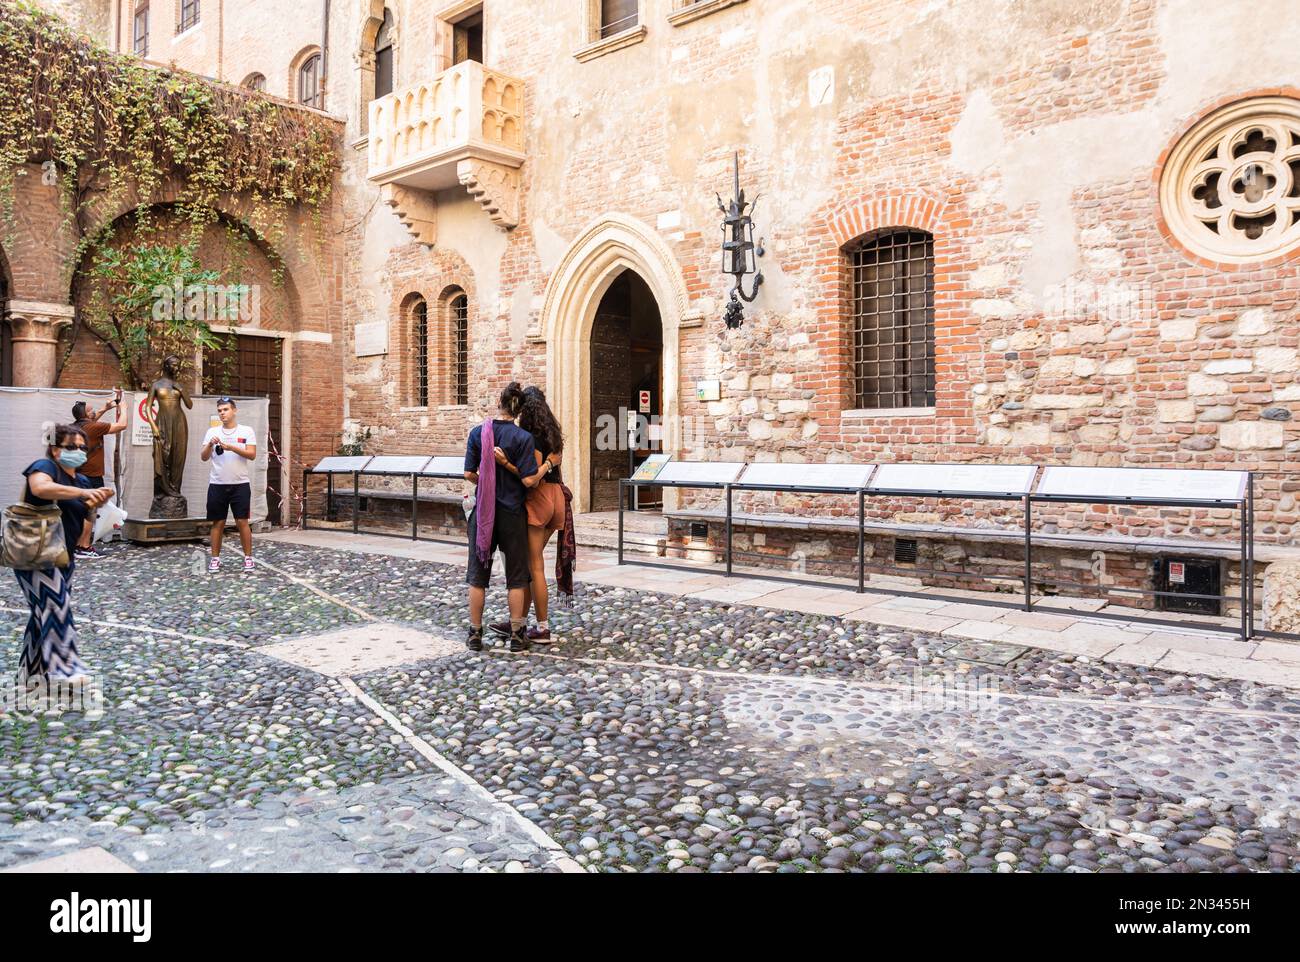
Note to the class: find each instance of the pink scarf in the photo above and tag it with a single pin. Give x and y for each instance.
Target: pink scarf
(485, 503)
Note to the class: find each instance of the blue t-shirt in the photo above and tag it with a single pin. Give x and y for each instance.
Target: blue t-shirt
(74, 510)
(519, 448)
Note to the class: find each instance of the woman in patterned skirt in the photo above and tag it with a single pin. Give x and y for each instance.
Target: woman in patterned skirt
(50, 642)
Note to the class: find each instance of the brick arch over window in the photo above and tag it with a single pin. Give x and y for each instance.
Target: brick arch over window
(417, 350)
(453, 341)
(861, 222)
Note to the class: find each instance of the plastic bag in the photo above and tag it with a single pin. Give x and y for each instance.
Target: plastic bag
(111, 517)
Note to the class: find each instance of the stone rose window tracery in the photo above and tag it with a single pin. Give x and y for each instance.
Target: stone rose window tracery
(1230, 191)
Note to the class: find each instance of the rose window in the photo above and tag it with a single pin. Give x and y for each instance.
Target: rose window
(1230, 191)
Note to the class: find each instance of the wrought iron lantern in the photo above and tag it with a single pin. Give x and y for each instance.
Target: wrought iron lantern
(739, 252)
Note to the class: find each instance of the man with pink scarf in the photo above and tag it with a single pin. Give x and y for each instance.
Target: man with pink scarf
(499, 519)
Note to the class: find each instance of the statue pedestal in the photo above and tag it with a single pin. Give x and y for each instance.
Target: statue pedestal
(163, 530)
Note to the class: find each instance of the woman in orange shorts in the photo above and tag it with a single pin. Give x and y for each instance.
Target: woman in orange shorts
(548, 506)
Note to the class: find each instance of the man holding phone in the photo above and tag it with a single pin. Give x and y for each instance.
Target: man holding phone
(231, 447)
(95, 430)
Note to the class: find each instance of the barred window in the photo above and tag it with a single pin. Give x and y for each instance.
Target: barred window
(255, 81)
(617, 16)
(309, 89)
(189, 15)
(460, 348)
(140, 30)
(420, 335)
(893, 320)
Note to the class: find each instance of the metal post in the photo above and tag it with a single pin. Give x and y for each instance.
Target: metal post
(1245, 590)
(329, 496)
(415, 507)
(862, 540)
(622, 495)
(302, 517)
(727, 491)
(1029, 583)
(1250, 551)
(356, 498)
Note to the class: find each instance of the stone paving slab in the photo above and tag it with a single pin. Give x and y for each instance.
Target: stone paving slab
(352, 651)
(86, 861)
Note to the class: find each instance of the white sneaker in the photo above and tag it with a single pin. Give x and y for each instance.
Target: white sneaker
(249, 564)
(214, 565)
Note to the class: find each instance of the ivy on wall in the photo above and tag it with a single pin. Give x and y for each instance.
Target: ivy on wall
(109, 129)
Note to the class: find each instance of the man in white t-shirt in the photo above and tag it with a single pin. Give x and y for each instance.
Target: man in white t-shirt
(231, 447)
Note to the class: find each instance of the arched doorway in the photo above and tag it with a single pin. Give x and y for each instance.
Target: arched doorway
(610, 247)
(626, 386)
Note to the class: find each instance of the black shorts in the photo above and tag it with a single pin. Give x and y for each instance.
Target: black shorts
(510, 534)
(235, 498)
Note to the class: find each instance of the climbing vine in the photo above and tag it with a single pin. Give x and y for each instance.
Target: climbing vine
(110, 130)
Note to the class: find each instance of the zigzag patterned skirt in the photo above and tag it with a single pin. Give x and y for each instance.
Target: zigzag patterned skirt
(50, 641)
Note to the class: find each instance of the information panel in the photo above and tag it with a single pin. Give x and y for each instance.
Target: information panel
(341, 465)
(649, 469)
(699, 472)
(969, 478)
(445, 466)
(398, 464)
(786, 475)
(1162, 484)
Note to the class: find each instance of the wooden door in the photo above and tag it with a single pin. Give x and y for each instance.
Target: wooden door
(251, 366)
(611, 348)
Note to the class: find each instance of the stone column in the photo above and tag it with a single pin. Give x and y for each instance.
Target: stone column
(34, 328)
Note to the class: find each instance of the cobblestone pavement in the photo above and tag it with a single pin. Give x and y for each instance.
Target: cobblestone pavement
(659, 734)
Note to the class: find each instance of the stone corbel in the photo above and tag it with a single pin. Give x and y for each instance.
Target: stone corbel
(34, 328)
(495, 187)
(416, 209)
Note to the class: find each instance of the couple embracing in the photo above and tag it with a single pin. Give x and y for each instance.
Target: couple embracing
(518, 503)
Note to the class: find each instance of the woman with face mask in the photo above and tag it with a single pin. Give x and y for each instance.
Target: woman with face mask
(49, 655)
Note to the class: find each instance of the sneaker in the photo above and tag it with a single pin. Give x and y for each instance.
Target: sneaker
(249, 564)
(518, 642)
(539, 636)
(87, 554)
(214, 565)
(474, 640)
(501, 628)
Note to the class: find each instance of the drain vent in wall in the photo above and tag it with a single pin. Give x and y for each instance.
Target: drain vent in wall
(699, 531)
(905, 551)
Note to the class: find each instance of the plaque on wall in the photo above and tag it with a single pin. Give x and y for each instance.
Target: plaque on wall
(398, 464)
(786, 475)
(371, 338)
(699, 472)
(341, 465)
(1009, 479)
(445, 466)
(1162, 484)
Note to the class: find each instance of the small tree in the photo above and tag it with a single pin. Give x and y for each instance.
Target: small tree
(143, 305)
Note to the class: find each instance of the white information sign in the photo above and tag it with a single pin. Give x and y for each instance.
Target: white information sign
(971, 478)
(1155, 483)
(341, 465)
(371, 338)
(398, 463)
(141, 433)
(700, 472)
(807, 475)
(445, 466)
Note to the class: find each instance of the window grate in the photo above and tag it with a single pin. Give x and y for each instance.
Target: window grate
(905, 551)
(893, 320)
(420, 332)
(460, 334)
(189, 15)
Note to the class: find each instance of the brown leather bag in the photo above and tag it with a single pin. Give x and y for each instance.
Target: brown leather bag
(31, 537)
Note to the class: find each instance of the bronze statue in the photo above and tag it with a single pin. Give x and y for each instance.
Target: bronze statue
(171, 438)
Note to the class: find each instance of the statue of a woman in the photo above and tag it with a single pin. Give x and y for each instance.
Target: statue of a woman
(171, 438)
